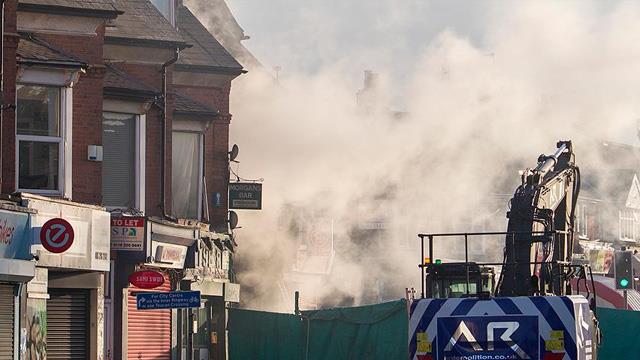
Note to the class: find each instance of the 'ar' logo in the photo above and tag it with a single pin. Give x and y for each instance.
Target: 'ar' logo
(509, 328)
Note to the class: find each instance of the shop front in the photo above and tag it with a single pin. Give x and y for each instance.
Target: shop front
(16, 269)
(65, 300)
(147, 244)
(203, 331)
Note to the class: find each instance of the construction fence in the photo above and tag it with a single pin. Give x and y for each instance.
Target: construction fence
(620, 335)
(365, 332)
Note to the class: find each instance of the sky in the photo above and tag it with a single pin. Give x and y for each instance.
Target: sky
(387, 36)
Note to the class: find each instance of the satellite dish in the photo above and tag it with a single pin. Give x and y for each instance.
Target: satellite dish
(233, 154)
(233, 220)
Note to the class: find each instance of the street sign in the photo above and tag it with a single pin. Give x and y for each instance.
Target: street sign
(168, 300)
(56, 235)
(146, 279)
(245, 196)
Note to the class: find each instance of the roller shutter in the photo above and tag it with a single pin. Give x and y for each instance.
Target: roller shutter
(148, 331)
(68, 324)
(6, 321)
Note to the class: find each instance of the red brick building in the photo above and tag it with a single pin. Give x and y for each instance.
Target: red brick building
(121, 107)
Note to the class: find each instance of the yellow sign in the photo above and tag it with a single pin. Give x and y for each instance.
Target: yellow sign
(424, 347)
(556, 334)
(422, 336)
(551, 345)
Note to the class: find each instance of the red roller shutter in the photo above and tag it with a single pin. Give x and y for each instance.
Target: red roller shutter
(148, 331)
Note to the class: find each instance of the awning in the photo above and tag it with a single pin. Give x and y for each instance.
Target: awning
(17, 270)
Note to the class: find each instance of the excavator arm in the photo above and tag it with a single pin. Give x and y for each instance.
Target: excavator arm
(539, 244)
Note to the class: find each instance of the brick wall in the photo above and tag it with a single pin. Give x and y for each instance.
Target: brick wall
(87, 130)
(216, 170)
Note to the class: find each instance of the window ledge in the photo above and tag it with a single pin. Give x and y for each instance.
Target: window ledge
(47, 193)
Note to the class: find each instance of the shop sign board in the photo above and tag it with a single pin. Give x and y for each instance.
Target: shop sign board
(56, 235)
(127, 233)
(245, 196)
(90, 225)
(209, 288)
(232, 292)
(168, 255)
(15, 239)
(168, 300)
(146, 279)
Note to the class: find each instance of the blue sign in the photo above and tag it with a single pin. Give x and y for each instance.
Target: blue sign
(15, 237)
(488, 337)
(168, 300)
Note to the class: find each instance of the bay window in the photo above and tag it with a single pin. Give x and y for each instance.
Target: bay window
(186, 170)
(41, 133)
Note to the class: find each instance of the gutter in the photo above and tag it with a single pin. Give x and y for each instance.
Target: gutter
(2, 106)
(71, 11)
(196, 113)
(124, 93)
(128, 41)
(54, 63)
(211, 69)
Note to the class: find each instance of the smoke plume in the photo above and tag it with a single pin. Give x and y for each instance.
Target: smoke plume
(351, 186)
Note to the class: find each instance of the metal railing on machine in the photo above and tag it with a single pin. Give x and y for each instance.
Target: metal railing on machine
(581, 270)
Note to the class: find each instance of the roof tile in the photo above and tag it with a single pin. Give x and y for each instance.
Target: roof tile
(142, 21)
(206, 50)
(36, 50)
(186, 105)
(116, 78)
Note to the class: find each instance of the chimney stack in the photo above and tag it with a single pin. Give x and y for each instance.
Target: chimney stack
(370, 79)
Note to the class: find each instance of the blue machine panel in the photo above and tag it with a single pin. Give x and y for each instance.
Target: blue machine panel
(488, 337)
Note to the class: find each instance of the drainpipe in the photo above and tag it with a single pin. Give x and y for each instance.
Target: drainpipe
(2, 106)
(164, 131)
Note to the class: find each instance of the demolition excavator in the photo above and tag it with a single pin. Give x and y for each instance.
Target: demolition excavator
(530, 311)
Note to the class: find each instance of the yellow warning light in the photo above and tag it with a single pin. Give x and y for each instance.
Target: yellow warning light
(427, 260)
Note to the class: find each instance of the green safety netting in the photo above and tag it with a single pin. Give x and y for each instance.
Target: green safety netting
(366, 332)
(620, 334)
(264, 335)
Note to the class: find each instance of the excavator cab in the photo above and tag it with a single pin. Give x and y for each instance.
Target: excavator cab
(450, 280)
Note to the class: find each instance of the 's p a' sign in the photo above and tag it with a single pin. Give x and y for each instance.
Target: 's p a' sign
(56, 235)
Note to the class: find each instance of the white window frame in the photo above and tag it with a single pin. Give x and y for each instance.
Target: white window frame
(628, 225)
(139, 160)
(172, 12)
(65, 148)
(200, 166)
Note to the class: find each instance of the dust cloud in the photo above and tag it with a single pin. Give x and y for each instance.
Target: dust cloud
(348, 185)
